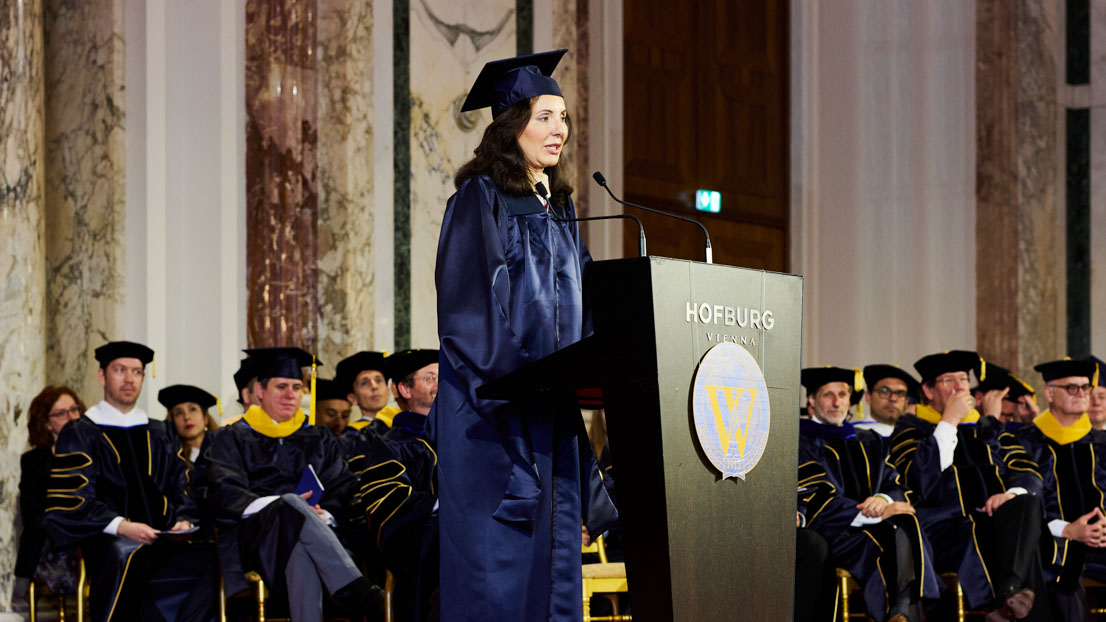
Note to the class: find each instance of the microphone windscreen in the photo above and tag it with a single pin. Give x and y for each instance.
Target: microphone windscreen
(542, 192)
(599, 179)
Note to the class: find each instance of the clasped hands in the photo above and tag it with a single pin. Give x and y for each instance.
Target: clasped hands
(1087, 529)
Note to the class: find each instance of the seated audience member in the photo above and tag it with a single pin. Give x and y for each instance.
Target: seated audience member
(1004, 396)
(363, 376)
(1061, 442)
(38, 559)
(889, 392)
(244, 381)
(188, 411)
(255, 467)
(332, 409)
(855, 500)
(815, 576)
(118, 486)
(972, 505)
(1097, 409)
(414, 376)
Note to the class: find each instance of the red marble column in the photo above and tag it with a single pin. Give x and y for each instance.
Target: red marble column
(281, 172)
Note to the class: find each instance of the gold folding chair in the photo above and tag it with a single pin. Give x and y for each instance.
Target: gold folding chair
(606, 579)
(846, 585)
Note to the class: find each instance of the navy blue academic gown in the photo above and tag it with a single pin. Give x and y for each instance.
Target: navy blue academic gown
(982, 550)
(515, 478)
(840, 467)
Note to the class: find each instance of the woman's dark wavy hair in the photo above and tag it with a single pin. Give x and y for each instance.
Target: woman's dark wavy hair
(38, 414)
(498, 156)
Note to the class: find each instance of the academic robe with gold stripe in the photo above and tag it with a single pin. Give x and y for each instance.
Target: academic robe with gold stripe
(101, 472)
(965, 540)
(1073, 481)
(840, 467)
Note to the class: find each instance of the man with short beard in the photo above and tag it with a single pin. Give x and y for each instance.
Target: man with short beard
(255, 466)
(1061, 443)
(414, 376)
(972, 504)
(362, 375)
(118, 489)
(855, 500)
(889, 392)
(332, 409)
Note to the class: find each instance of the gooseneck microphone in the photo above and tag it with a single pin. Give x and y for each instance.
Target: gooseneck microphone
(602, 181)
(543, 193)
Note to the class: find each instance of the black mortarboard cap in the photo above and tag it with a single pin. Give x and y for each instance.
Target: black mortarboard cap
(999, 378)
(503, 83)
(245, 373)
(180, 393)
(329, 390)
(933, 365)
(348, 368)
(402, 364)
(875, 373)
(280, 362)
(1064, 368)
(814, 378)
(123, 349)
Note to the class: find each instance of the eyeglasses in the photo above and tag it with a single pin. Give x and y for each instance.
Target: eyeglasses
(887, 393)
(1074, 390)
(961, 379)
(431, 378)
(72, 411)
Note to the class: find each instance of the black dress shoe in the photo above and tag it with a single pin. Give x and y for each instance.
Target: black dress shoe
(361, 596)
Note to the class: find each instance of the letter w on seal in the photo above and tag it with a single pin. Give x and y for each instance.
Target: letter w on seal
(729, 423)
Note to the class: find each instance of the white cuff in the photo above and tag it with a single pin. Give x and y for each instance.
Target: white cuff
(258, 504)
(1056, 527)
(945, 433)
(861, 519)
(328, 518)
(1017, 490)
(113, 526)
(887, 498)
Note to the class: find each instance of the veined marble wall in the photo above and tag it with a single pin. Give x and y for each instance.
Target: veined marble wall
(1096, 97)
(570, 20)
(281, 173)
(22, 257)
(345, 222)
(449, 44)
(84, 188)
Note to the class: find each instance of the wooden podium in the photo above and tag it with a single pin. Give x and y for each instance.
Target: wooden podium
(698, 546)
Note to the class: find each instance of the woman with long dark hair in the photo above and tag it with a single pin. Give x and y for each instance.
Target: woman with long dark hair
(48, 413)
(516, 479)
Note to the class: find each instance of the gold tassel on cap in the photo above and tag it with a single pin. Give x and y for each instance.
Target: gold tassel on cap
(153, 366)
(219, 405)
(858, 387)
(314, 376)
(1094, 381)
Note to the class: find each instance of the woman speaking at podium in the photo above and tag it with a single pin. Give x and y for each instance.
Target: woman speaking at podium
(516, 479)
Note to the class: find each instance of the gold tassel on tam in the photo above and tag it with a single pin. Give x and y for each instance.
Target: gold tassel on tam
(982, 369)
(219, 405)
(314, 376)
(858, 388)
(153, 366)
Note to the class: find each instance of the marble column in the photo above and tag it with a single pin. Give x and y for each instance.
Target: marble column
(1019, 234)
(449, 44)
(84, 186)
(570, 30)
(346, 160)
(281, 173)
(22, 257)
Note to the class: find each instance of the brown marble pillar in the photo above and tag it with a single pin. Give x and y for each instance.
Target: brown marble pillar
(281, 185)
(1019, 215)
(570, 30)
(22, 257)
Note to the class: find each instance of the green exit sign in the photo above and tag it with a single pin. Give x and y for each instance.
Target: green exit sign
(708, 201)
